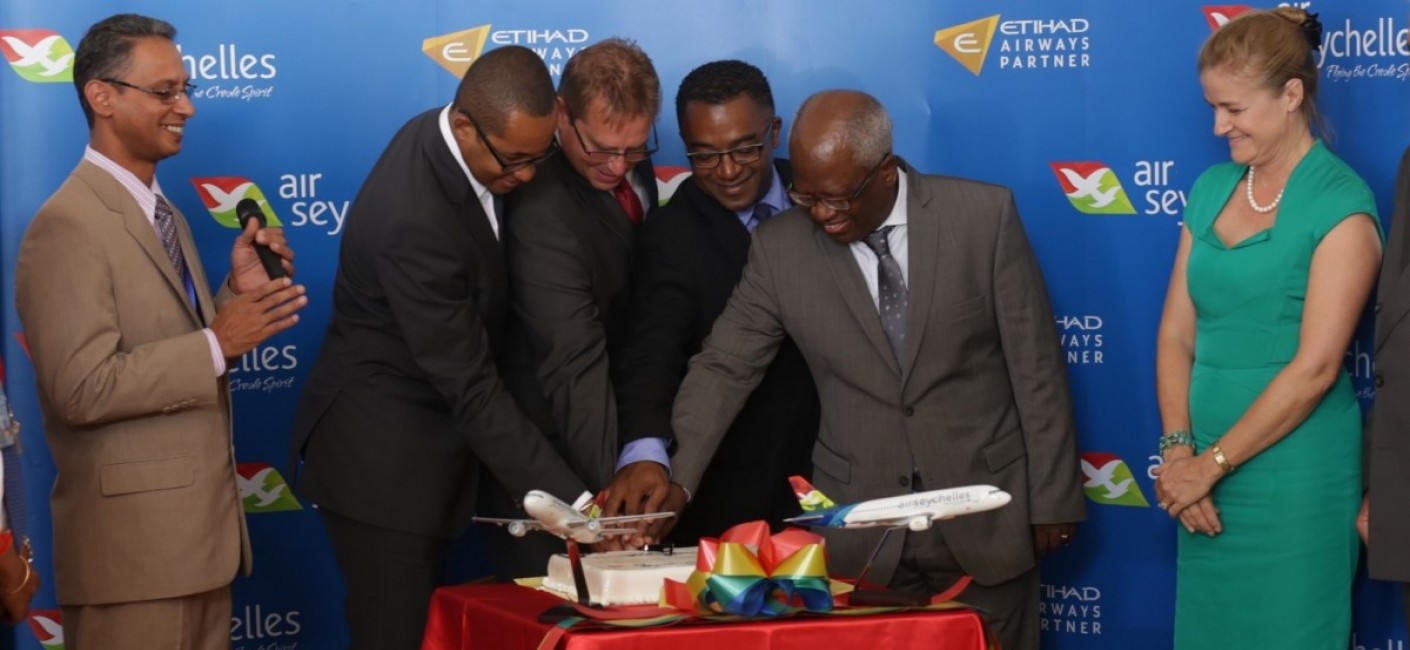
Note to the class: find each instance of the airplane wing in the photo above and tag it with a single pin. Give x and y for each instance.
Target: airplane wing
(617, 531)
(520, 524)
(627, 519)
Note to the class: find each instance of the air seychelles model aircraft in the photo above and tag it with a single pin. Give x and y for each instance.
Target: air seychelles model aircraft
(553, 516)
(913, 511)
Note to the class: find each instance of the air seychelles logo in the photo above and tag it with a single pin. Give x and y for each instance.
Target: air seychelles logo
(1092, 188)
(1108, 480)
(1220, 15)
(222, 193)
(38, 55)
(668, 180)
(262, 489)
(48, 628)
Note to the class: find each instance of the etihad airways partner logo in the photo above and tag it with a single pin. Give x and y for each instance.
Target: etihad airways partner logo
(222, 193)
(48, 628)
(38, 55)
(1108, 480)
(1023, 44)
(457, 50)
(263, 489)
(1092, 188)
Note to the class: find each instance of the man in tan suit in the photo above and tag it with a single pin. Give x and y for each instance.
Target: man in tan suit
(130, 355)
(925, 321)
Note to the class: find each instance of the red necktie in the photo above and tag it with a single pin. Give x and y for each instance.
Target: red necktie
(627, 197)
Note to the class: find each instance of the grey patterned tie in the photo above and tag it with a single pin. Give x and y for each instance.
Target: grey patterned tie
(891, 293)
(166, 230)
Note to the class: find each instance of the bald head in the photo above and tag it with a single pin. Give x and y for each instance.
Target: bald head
(841, 123)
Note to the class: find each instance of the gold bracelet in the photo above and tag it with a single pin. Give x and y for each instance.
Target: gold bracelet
(27, 572)
(1223, 461)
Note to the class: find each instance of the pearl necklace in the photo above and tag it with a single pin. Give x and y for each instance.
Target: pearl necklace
(1261, 209)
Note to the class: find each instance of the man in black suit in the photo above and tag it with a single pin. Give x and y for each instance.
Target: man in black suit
(690, 256)
(405, 402)
(570, 242)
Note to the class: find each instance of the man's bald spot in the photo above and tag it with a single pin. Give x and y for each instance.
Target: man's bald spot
(835, 123)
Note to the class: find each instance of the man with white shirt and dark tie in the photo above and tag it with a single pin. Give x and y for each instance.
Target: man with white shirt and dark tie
(405, 409)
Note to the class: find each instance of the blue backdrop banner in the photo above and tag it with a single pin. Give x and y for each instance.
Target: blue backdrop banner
(1091, 110)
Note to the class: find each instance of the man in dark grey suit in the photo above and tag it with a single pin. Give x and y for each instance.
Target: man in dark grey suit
(570, 242)
(1384, 522)
(405, 403)
(925, 321)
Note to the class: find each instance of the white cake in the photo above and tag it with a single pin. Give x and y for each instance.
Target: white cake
(621, 577)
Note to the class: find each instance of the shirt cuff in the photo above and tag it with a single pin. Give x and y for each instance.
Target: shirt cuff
(584, 501)
(217, 358)
(652, 449)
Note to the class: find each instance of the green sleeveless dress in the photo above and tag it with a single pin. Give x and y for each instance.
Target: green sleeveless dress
(1280, 574)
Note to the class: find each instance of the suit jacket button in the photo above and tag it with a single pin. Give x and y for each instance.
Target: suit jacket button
(1380, 381)
(1378, 308)
(905, 481)
(908, 411)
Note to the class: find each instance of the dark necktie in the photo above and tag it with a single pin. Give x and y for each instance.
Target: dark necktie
(498, 203)
(891, 293)
(762, 212)
(627, 197)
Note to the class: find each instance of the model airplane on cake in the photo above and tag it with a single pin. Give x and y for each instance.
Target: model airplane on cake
(914, 511)
(551, 515)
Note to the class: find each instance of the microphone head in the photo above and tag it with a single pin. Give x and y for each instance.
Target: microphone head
(248, 209)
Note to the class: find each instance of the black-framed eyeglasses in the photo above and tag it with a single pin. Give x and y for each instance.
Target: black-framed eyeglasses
(508, 166)
(837, 203)
(166, 95)
(600, 157)
(740, 155)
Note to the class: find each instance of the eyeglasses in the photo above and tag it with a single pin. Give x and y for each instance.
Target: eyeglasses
(837, 203)
(740, 155)
(508, 167)
(600, 157)
(166, 95)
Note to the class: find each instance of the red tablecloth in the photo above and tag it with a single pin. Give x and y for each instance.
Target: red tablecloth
(505, 617)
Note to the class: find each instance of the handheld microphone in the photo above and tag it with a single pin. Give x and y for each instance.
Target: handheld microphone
(248, 209)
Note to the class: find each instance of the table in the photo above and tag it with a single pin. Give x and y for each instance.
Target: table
(505, 617)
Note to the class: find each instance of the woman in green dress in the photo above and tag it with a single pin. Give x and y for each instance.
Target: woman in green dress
(1278, 253)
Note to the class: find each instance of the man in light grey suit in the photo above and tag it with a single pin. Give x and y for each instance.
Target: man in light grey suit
(924, 319)
(1384, 522)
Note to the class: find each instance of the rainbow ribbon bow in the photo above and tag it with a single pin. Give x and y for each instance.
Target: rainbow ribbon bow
(747, 572)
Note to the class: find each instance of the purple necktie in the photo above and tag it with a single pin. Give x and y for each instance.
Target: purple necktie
(166, 230)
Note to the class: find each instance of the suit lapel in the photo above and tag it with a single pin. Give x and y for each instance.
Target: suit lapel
(117, 198)
(923, 242)
(601, 204)
(843, 267)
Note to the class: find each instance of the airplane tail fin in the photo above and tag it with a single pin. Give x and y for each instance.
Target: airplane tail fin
(808, 496)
